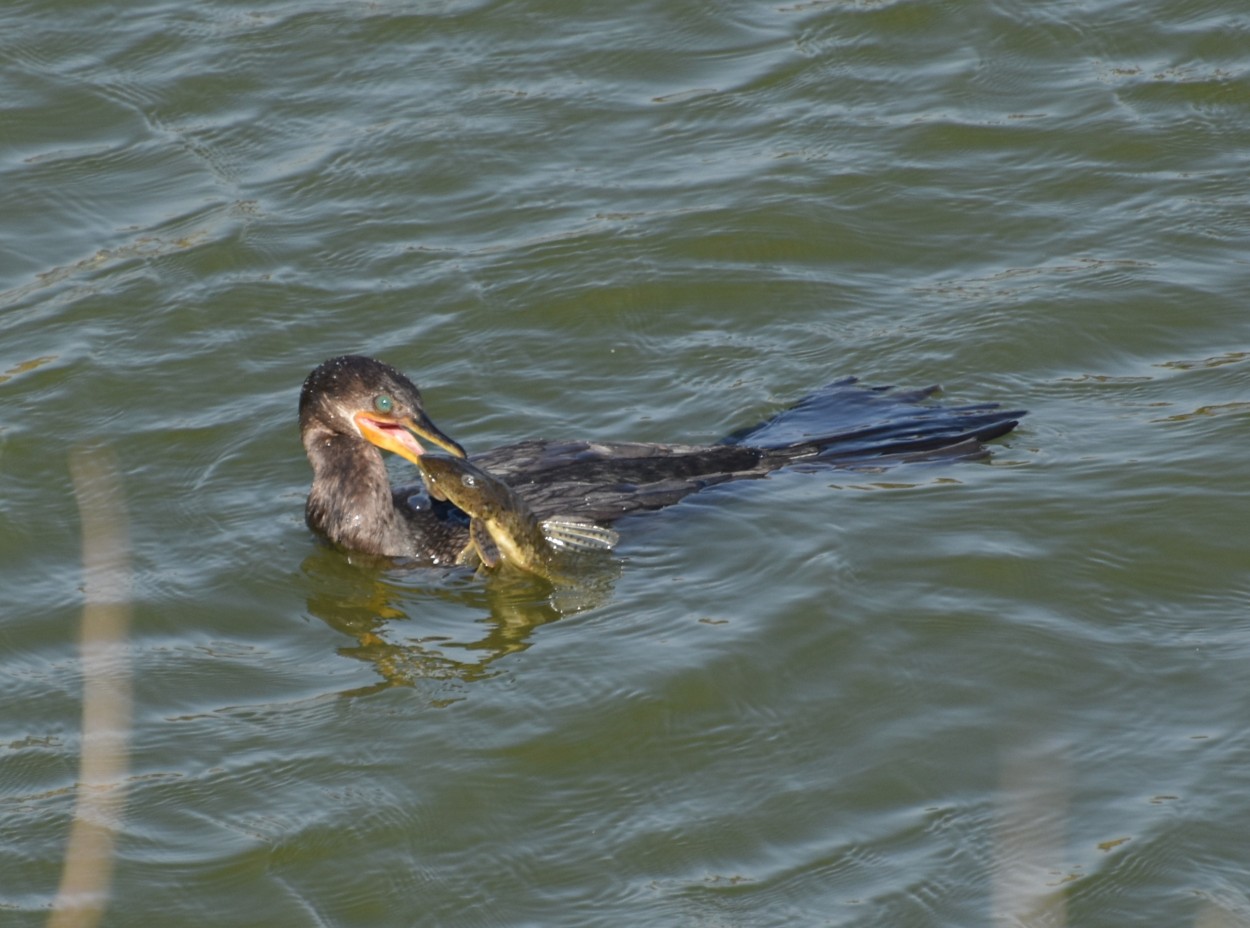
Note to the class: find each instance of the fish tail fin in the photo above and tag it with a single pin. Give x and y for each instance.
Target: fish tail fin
(571, 534)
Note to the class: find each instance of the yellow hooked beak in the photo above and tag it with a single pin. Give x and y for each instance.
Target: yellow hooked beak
(399, 434)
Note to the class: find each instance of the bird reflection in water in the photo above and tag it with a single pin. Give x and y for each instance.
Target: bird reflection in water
(380, 605)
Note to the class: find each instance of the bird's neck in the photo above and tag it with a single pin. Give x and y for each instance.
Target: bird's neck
(350, 501)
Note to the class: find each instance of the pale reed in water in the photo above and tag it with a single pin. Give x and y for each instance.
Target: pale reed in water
(106, 693)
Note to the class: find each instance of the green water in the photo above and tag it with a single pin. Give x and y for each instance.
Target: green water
(1012, 693)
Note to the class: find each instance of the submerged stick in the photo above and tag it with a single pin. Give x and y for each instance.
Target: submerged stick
(1029, 874)
(106, 692)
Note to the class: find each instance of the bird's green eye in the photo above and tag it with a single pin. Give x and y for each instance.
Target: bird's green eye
(383, 403)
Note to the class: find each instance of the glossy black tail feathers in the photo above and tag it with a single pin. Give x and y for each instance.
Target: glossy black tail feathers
(846, 423)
